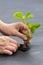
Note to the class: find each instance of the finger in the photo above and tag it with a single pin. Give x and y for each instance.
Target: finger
(7, 52)
(14, 45)
(11, 48)
(24, 29)
(23, 26)
(22, 36)
(13, 41)
(2, 44)
(27, 32)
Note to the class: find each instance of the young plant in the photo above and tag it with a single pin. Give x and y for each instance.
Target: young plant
(23, 18)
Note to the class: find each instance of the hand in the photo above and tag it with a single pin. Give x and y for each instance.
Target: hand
(16, 29)
(8, 45)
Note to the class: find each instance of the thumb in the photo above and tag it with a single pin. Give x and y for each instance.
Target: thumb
(21, 35)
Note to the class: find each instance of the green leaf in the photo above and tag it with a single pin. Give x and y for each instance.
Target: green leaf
(23, 18)
(18, 15)
(36, 25)
(28, 16)
(32, 30)
(32, 27)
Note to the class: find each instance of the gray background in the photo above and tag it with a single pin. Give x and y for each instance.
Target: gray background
(35, 55)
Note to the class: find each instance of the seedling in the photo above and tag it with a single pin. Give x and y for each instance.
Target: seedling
(32, 27)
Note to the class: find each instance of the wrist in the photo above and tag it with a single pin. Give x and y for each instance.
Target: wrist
(2, 24)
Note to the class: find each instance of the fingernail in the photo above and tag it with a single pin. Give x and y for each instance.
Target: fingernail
(10, 53)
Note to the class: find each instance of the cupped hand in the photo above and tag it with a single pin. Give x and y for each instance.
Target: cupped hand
(16, 29)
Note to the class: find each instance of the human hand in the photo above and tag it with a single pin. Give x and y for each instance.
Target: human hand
(8, 45)
(16, 29)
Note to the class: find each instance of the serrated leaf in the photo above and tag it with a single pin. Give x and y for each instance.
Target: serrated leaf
(18, 15)
(36, 25)
(28, 16)
(23, 18)
(32, 27)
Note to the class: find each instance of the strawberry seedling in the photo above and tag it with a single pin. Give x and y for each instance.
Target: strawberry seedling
(32, 27)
